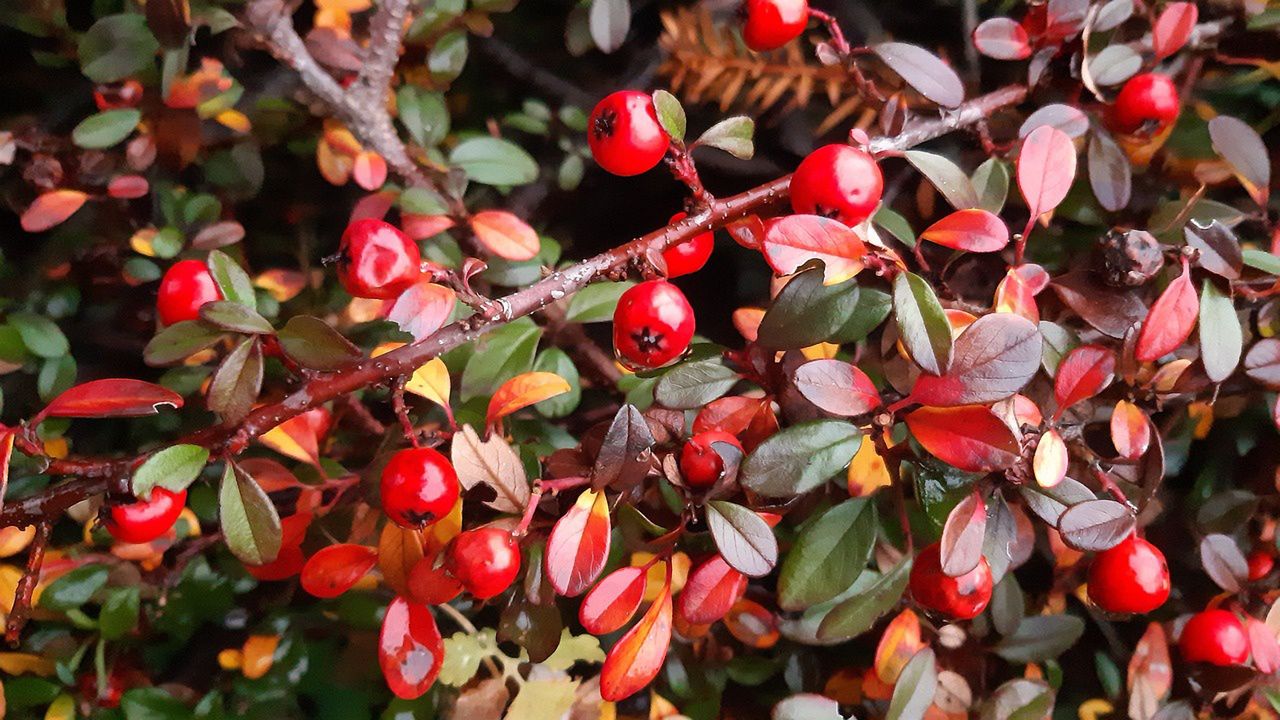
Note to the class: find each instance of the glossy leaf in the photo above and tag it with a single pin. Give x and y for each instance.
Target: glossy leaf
(1242, 147)
(1049, 465)
(422, 309)
(1173, 28)
(1096, 525)
(949, 179)
(800, 458)
(1221, 337)
(973, 230)
(623, 453)
(579, 545)
(410, 650)
(1171, 320)
(112, 398)
(1002, 39)
(1110, 175)
(968, 437)
(1083, 373)
(237, 381)
(993, 358)
(333, 570)
(314, 344)
(961, 543)
(1046, 167)
(173, 468)
(744, 539)
(522, 391)
(837, 387)
(710, 591)
(923, 71)
(1223, 562)
(856, 614)
(914, 691)
(1070, 120)
(794, 240)
(922, 323)
(695, 384)
(1130, 430)
(613, 601)
(249, 520)
(637, 657)
(1218, 246)
(807, 311)
(505, 235)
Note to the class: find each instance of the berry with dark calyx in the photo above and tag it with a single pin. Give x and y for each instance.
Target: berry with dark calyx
(1215, 637)
(419, 486)
(1131, 577)
(959, 598)
(1147, 104)
(652, 325)
(700, 464)
(1260, 564)
(184, 289)
(624, 134)
(691, 255)
(376, 260)
(145, 520)
(770, 24)
(841, 182)
(485, 560)
(1130, 257)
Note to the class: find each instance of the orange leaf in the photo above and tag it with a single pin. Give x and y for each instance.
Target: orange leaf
(792, 241)
(973, 230)
(335, 569)
(1130, 430)
(399, 549)
(334, 166)
(900, 641)
(638, 656)
(505, 235)
(258, 655)
(299, 437)
(867, 471)
(51, 209)
(969, 437)
(370, 170)
(1171, 320)
(419, 227)
(522, 391)
(579, 544)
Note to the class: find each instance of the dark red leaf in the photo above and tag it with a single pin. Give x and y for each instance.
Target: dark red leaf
(119, 397)
(973, 230)
(579, 545)
(613, 601)
(969, 437)
(1083, 373)
(837, 387)
(1171, 320)
(992, 359)
(410, 649)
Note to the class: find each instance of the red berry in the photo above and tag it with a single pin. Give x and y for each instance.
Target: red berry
(837, 181)
(118, 96)
(145, 520)
(691, 255)
(183, 290)
(652, 324)
(1216, 637)
(770, 24)
(1131, 577)
(485, 560)
(624, 134)
(112, 689)
(1147, 104)
(419, 486)
(376, 260)
(1260, 564)
(700, 464)
(961, 598)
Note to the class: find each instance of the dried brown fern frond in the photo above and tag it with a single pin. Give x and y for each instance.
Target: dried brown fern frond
(705, 62)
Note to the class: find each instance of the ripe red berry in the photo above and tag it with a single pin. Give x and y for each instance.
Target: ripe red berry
(145, 520)
(1260, 564)
(624, 134)
(652, 325)
(1148, 103)
(961, 598)
(1216, 637)
(419, 486)
(770, 24)
(184, 288)
(1131, 577)
(691, 255)
(700, 464)
(485, 560)
(112, 690)
(376, 260)
(118, 96)
(837, 181)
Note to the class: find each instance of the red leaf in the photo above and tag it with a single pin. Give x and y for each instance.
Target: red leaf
(112, 398)
(422, 309)
(370, 170)
(1173, 28)
(792, 241)
(973, 230)
(710, 592)
(1015, 295)
(579, 545)
(51, 209)
(837, 387)
(969, 437)
(410, 650)
(613, 601)
(420, 227)
(1171, 320)
(335, 569)
(431, 585)
(1002, 39)
(992, 359)
(1046, 167)
(637, 657)
(505, 235)
(128, 187)
(1083, 373)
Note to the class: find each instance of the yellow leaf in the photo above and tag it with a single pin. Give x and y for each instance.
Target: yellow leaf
(282, 285)
(431, 381)
(15, 663)
(867, 471)
(399, 549)
(657, 575)
(14, 540)
(230, 659)
(439, 533)
(235, 121)
(9, 577)
(821, 351)
(899, 643)
(141, 242)
(543, 700)
(62, 708)
(522, 391)
(1095, 709)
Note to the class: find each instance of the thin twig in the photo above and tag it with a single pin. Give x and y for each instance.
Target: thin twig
(27, 584)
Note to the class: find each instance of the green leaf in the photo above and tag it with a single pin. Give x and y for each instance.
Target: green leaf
(857, 614)
(1041, 637)
(744, 539)
(314, 344)
(500, 356)
(179, 341)
(119, 614)
(732, 135)
(807, 312)
(232, 280)
(423, 114)
(800, 458)
(494, 161)
(670, 114)
(872, 309)
(249, 520)
(423, 201)
(596, 302)
(152, 703)
(694, 384)
(949, 179)
(555, 360)
(448, 56)
(893, 223)
(916, 685)
(235, 317)
(991, 184)
(116, 47)
(173, 468)
(832, 550)
(105, 128)
(922, 323)
(1221, 338)
(1262, 260)
(40, 334)
(75, 588)
(237, 381)
(57, 375)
